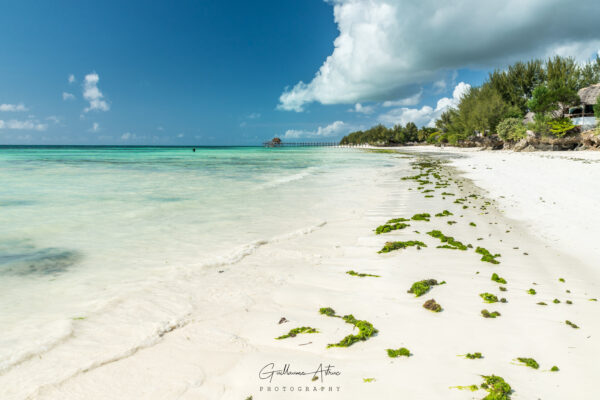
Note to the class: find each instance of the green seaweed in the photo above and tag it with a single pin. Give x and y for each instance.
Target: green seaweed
(297, 331)
(556, 301)
(498, 279)
(532, 291)
(444, 213)
(569, 302)
(369, 380)
(361, 275)
(391, 246)
(473, 356)
(365, 329)
(572, 325)
(472, 224)
(487, 256)
(487, 314)
(472, 388)
(421, 287)
(554, 368)
(451, 222)
(530, 362)
(489, 297)
(502, 288)
(451, 243)
(401, 352)
(561, 280)
(496, 387)
(432, 305)
(330, 312)
(395, 220)
(447, 194)
(390, 227)
(541, 303)
(421, 217)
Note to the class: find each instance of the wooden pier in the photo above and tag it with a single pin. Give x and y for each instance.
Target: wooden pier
(300, 144)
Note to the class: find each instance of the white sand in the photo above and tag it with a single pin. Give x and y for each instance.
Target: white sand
(218, 351)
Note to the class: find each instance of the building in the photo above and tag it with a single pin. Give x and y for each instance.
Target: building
(584, 114)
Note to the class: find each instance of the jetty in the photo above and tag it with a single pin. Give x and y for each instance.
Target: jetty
(276, 142)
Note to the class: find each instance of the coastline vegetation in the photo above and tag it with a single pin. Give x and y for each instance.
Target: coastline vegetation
(496, 108)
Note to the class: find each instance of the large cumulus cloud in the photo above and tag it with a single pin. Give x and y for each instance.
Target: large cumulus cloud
(387, 49)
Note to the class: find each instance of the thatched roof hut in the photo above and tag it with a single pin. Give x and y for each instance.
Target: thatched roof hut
(589, 95)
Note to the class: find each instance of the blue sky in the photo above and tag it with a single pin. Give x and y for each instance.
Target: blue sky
(240, 72)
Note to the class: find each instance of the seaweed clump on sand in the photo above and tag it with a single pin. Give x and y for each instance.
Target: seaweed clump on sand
(297, 331)
(396, 220)
(451, 243)
(554, 369)
(360, 275)
(391, 246)
(532, 291)
(487, 314)
(444, 213)
(432, 305)
(489, 297)
(421, 217)
(390, 227)
(451, 222)
(401, 352)
(472, 224)
(572, 325)
(530, 362)
(498, 279)
(365, 328)
(421, 287)
(473, 356)
(496, 387)
(487, 256)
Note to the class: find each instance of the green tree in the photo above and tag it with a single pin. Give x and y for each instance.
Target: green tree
(510, 129)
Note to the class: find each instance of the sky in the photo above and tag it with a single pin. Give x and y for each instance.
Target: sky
(241, 72)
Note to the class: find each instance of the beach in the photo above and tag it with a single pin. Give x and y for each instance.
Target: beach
(207, 328)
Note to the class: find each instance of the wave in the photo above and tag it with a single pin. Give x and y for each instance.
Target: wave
(290, 178)
(115, 305)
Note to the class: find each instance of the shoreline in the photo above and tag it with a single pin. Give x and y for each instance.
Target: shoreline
(221, 348)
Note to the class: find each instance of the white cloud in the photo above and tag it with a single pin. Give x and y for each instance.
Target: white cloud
(388, 49)
(92, 94)
(71, 78)
(22, 125)
(359, 108)
(180, 135)
(68, 96)
(254, 116)
(426, 115)
(335, 129)
(95, 127)
(407, 101)
(13, 107)
(127, 136)
(53, 118)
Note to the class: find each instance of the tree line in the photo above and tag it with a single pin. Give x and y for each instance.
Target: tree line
(497, 107)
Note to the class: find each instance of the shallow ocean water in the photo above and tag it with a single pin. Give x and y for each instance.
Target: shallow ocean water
(85, 229)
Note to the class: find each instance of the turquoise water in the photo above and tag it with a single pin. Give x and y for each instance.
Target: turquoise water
(83, 226)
